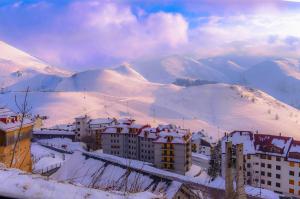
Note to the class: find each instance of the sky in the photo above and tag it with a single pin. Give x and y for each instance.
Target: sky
(81, 34)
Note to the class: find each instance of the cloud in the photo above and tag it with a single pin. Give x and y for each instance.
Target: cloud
(260, 34)
(105, 31)
(91, 33)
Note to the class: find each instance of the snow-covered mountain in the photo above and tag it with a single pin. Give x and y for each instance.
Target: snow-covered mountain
(279, 78)
(124, 92)
(16, 65)
(167, 69)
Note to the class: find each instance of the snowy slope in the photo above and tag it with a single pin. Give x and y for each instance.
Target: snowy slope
(16, 65)
(167, 69)
(279, 78)
(23, 185)
(122, 92)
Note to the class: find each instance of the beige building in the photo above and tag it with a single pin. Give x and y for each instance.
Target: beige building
(271, 162)
(89, 130)
(166, 147)
(10, 130)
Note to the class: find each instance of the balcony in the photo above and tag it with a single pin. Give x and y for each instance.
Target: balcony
(168, 161)
(170, 154)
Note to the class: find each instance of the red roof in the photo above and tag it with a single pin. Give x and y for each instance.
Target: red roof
(294, 152)
(271, 143)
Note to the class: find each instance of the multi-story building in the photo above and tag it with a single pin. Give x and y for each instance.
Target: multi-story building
(165, 146)
(58, 131)
(172, 150)
(271, 162)
(200, 144)
(90, 131)
(13, 133)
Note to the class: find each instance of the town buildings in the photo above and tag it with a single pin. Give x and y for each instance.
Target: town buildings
(200, 144)
(167, 146)
(13, 131)
(89, 130)
(271, 162)
(58, 131)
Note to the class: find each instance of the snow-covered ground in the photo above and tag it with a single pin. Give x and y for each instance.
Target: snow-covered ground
(44, 158)
(17, 184)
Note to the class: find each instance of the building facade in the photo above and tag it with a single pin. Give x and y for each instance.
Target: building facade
(201, 145)
(89, 130)
(13, 133)
(167, 148)
(270, 162)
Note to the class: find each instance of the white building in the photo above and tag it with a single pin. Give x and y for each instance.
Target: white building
(200, 144)
(271, 162)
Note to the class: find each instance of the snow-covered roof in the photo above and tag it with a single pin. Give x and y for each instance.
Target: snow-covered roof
(102, 121)
(163, 127)
(271, 144)
(5, 112)
(10, 121)
(266, 144)
(197, 135)
(176, 137)
(124, 128)
(294, 152)
(149, 133)
(238, 137)
(53, 132)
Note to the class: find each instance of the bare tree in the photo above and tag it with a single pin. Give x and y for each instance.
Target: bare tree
(23, 110)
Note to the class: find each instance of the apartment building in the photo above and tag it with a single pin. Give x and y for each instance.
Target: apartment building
(89, 130)
(271, 162)
(10, 127)
(166, 146)
(200, 144)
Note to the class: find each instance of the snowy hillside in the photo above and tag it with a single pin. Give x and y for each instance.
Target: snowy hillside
(279, 78)
(122, 92)
(167, 69)
(16, 65)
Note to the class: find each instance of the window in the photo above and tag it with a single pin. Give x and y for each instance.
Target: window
(248, 173)
(277, 184)
(292, 173)
(278, 159)
(291, 191)
(269, 174)
(248, 156)
(278, 167)
(249, 165)
(269, 157)
(262, 165)
(262, 173)
(291, 181)
(269, 166)
(262, 181)
(269, 183)
(278, 176)
(292, 164)
(262, 156)
(298, 183)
